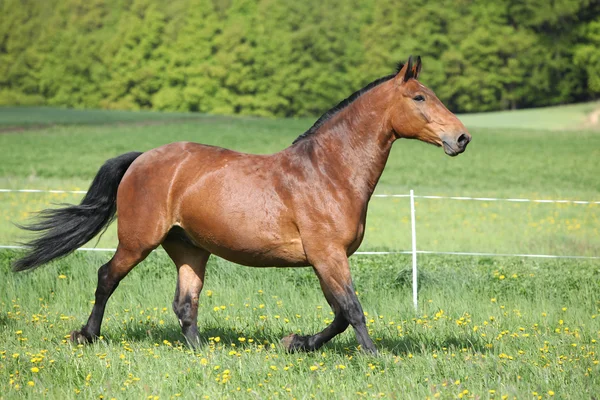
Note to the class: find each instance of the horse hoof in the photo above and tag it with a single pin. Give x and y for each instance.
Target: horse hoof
(293, 343)
(193, 343)
(78, 337)
(371, 352)
(288, 342)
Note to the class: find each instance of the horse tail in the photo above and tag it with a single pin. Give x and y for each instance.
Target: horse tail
(65, 229)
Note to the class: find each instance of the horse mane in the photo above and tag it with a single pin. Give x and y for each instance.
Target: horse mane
(345, 103)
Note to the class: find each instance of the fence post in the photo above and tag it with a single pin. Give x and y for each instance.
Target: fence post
(414, 249)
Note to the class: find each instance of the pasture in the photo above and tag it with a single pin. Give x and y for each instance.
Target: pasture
(486, 327)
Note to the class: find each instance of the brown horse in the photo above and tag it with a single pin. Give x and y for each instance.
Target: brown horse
(303, 206)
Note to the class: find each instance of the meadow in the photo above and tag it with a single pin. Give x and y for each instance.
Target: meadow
(486, 327)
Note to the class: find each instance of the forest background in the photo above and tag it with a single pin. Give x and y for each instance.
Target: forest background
(293, 59)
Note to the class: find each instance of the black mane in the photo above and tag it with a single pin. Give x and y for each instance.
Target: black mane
(345, 103)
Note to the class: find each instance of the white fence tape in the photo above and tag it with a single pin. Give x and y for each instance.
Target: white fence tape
(375, 195)
(490, 199)
(413, 251)
(41, 191)
(372, 253)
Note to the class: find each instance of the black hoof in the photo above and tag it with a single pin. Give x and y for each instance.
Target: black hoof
(193, 342)
(81, 337)
(294, 343)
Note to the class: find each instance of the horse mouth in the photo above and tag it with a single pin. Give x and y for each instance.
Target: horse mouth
(452, 151)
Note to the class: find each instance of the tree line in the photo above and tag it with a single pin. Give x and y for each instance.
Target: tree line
(283, 58)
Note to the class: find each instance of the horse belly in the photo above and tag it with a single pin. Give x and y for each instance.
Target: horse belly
(260, 235)
(246, 246)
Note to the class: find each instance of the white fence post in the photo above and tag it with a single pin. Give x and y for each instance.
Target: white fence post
(414, 249)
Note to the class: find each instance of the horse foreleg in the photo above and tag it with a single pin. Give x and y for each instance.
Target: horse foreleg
(295, 342)
(336, 282)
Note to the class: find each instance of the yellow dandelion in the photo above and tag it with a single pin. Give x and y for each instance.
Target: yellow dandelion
(30, 383)
(35, 370)
(62, 277)
(314, 368)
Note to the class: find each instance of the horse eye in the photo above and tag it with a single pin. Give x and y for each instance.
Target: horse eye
(419, 98)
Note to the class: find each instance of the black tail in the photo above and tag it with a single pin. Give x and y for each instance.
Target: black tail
(66, 229)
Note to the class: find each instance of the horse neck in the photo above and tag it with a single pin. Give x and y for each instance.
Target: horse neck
(354, 145)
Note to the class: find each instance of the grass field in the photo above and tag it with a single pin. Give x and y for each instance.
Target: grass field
(567, 117)
(486, 327)
(28, 117)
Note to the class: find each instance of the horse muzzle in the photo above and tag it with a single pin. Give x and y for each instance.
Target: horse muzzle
(455, 146)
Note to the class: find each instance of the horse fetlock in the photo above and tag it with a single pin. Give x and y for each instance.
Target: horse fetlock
(184, 312)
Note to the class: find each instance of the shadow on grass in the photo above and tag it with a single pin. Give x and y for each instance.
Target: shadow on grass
(416, 345)
(173, 334)
(343, 345)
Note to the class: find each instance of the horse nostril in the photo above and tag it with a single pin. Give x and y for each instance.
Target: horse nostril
(464, 139)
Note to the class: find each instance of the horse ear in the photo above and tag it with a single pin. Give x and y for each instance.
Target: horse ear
(406, 72)
(417, 68)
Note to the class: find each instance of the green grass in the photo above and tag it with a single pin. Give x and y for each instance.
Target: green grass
(39, 116)
(511, 326)
(570, 117)
(506, 325)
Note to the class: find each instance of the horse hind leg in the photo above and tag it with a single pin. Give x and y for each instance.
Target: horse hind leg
(109, 276)
(143, 223)
(191, 265)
